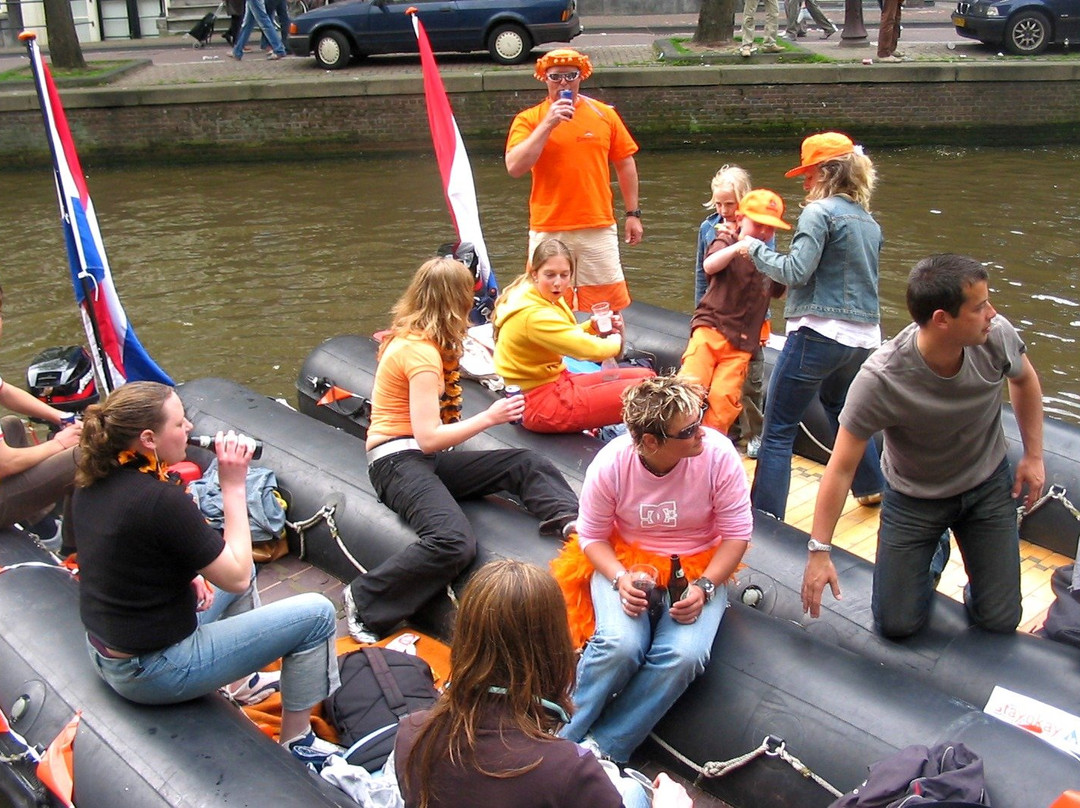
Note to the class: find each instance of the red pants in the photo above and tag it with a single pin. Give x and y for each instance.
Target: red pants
(579, 401)
(712, 361)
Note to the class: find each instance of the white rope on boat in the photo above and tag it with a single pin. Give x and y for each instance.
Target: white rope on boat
(324, 514)
(41, 564)
(772, 746)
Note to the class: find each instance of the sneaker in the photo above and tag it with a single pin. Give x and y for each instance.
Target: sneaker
(786, 35)
(828, 34)
(312, 749)
(745, 51)
(258, 688)
(273, 57)
(893, 58)
(772, 48)
(753, 447)
(46, 531)
(357, 630)
(870, 500)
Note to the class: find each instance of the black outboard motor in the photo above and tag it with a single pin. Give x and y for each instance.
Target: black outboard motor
(63, 378)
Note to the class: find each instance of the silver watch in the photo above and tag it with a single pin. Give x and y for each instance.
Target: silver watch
(815, 546)
(706, 586)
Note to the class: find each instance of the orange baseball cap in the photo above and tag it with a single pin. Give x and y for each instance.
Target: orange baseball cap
(821, 147)
(764, 207)
(562, 57)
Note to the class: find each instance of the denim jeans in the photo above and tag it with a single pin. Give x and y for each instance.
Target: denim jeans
(256, 13)
(424, 490)
(983, 520)
(630, 674)
(809, 365)
(276, 9)
(236, 636)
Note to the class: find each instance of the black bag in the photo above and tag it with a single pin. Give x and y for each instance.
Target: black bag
(378, 688)
(203, 30)
(947, 774)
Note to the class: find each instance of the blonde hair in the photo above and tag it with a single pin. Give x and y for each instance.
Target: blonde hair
(435, 305)
(650, 406)
(546, 250)
(851, 175)
(729, 176)
(512, 635)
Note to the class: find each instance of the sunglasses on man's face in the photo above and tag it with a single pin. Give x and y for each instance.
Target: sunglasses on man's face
(690, 431)
(559, 78)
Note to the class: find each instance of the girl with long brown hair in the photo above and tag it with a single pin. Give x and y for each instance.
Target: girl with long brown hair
(415, 419)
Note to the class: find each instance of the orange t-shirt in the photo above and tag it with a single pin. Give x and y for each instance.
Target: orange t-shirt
(402, 359)
(571, 182)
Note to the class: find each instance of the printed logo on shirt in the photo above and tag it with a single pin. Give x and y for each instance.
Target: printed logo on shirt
(660, 514)
(586, 136)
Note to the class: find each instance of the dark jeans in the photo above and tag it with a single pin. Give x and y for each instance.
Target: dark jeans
(424, 490)
(810, 365)
(278, 12)
(983, 520)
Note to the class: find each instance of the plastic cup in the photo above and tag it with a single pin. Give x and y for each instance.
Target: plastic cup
(643, 577)
(601, 313)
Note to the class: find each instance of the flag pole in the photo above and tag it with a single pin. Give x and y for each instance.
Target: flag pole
(37, 68)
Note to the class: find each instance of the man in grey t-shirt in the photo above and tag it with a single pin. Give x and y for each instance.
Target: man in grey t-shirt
(935, 392)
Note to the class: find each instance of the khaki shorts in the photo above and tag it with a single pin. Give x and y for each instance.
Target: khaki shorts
(599, 274)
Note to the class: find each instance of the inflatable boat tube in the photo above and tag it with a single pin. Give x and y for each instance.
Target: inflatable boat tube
(836, 711)
(201, 753)
(949, 653)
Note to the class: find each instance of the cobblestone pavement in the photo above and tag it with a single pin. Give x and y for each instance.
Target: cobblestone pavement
(633, 43)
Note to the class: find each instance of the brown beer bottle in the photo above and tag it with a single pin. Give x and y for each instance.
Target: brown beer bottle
(677, 584)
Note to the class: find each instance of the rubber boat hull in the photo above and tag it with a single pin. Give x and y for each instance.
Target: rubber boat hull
(950, 654)
(201, 753)
(837, 711)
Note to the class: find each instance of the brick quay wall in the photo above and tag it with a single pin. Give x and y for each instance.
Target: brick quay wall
(665, 108)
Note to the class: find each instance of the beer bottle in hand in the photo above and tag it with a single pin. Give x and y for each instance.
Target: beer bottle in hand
(677, 584)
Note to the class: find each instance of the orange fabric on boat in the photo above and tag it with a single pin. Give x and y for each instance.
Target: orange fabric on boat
(267, 714)
(1068, 799)
(335, 393)
(56, 768)
(573, 570)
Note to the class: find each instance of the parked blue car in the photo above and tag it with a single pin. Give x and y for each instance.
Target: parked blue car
(1024, 27)
(507, 29)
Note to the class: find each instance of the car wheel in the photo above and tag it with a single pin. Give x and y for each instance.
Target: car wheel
(1028, 33)
(509, 44)
(296, 8)
(332, 51)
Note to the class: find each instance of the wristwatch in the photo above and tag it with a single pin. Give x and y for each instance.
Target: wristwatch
(636, 213)
(815, 546)
(706, 586)
(617, 578)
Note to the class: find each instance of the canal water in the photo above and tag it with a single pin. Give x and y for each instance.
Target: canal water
(240, 271)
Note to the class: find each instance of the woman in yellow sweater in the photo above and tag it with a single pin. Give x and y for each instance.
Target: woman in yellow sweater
(535, 329)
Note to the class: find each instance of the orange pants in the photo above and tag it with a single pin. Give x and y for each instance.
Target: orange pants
(579, 401)
(712, 361)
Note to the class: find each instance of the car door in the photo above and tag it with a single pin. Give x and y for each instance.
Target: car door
(390, 28)
(1068, 12)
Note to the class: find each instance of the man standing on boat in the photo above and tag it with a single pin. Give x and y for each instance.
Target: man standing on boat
(569, 142)
(934, 390)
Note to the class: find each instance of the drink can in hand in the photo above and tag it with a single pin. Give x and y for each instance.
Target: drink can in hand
(567, 95)
(509, 391)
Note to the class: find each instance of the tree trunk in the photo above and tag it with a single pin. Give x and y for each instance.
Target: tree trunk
(64, 48)
(716, 23)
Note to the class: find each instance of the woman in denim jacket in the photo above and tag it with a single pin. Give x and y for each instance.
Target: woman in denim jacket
(832, 310)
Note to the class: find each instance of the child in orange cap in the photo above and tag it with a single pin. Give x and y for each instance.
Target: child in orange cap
(725, 328)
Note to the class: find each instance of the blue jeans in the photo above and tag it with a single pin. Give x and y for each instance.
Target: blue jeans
(236, 636)
(280, 10)
(630, 674)
(983, 520)
(256, 13)
(809, 365)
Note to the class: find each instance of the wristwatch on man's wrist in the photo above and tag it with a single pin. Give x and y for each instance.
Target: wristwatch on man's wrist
(815, 546)
(636, 213)
(706, 586)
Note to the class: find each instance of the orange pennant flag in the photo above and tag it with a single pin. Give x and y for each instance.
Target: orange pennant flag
(57, 766)
(335, 393)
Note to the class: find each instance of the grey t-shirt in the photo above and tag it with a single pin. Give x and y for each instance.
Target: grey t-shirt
(942, 435)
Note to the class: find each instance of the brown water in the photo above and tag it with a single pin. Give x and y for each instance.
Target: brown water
(240, 271)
